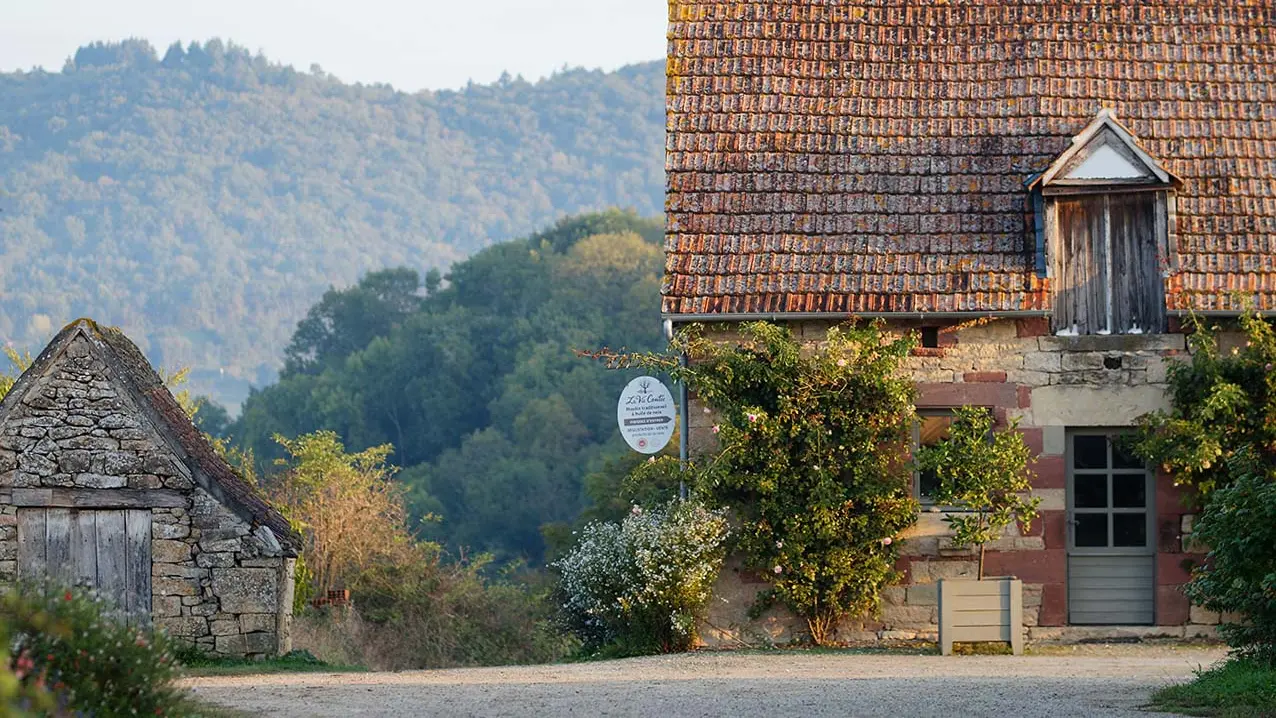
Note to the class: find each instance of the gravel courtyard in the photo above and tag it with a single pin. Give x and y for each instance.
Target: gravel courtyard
(1085, 681)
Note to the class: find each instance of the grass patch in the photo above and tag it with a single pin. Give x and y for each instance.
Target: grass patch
(197, 664)
(1235, 689)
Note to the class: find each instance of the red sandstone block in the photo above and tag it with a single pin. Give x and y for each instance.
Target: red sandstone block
(1051, 471)
(928, 352)
(984, 376)
(947, 395)
(1032, 327)
(1054, 528)
(947, 338)
(1174, 569)
(1172, 607)
(905, 568)
(1025, 396)
(1032, 436)
(1169, 535)
(1170, 499)
(1029, 566)
(1036, 528)
(1054, 604)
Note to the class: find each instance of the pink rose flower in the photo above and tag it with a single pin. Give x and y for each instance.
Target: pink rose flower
(778, 570)
(887, 541)
(753, 417)
(716, 428)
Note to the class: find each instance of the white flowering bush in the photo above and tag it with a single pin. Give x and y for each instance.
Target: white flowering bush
(639, 586)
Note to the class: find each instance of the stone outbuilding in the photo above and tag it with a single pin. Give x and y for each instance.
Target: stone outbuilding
(1043, 191)
(105, 482)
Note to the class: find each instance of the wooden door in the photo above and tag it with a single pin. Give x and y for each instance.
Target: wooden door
(107, 550)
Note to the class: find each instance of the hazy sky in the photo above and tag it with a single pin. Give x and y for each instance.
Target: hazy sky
(421, 44)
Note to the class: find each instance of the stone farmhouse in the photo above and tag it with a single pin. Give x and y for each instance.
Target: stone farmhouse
(105, 482)
(1043, 190)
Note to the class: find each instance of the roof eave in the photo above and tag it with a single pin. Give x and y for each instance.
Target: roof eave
(845, 316)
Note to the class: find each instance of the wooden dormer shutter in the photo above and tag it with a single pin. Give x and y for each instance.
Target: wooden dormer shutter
(1106, 279)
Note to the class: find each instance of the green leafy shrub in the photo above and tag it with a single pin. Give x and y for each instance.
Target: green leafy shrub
(1223, 403)
(1239, 573)
(90, 661)
(984, 472)
(1219, 439)
(639, 586)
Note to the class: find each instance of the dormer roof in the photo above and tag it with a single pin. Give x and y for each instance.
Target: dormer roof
(1105, 154)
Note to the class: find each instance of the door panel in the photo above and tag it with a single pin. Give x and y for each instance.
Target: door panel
(107, 550)
(1111, 556)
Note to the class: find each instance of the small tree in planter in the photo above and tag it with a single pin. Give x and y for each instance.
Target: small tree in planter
(983, 476)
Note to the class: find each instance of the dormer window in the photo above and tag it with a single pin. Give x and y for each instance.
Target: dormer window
(1103, 211)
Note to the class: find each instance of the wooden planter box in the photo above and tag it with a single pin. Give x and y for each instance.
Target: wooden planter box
(987, 610)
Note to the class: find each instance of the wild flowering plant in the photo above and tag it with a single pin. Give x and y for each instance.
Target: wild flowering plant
(639, 586)
(69, 642)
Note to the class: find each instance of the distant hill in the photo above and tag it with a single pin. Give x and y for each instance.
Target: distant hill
(204, 200)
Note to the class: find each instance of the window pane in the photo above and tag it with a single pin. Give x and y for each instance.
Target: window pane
(1130, 529)
(1089, 452)
(927, 482)
(1092, 529)
(1125, 460)
(934, 429)
(931, 430)
(1090, 492)
(1129, 491)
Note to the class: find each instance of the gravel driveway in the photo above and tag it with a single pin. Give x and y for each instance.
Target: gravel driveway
(1089, 681)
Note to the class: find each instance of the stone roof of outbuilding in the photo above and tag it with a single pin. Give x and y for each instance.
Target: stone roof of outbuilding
(186, 441)
(861, 157)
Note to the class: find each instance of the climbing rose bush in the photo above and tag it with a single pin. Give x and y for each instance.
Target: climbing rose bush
(639, 586)
(813, 462)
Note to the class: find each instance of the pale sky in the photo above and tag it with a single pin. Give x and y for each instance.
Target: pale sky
(411, 44)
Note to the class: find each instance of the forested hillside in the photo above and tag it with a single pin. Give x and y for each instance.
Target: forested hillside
(204, 199)
(494, 420)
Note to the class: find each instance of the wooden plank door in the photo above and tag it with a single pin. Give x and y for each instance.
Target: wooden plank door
(109, 550)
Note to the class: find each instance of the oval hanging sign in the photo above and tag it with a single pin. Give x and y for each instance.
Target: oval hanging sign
(646, 415)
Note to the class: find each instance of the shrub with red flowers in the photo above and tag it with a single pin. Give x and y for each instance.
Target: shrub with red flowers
(69, 645)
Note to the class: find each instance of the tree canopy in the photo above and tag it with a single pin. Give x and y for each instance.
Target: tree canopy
(494, 420)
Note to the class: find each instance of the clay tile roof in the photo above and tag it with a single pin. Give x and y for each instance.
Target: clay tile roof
(871, 156)
(209, 468)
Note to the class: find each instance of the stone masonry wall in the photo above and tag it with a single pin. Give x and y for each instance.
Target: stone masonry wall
(1049, 384)
(215, 582)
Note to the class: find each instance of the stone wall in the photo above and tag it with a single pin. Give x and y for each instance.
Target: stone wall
(216, 582)
(1049, 384)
